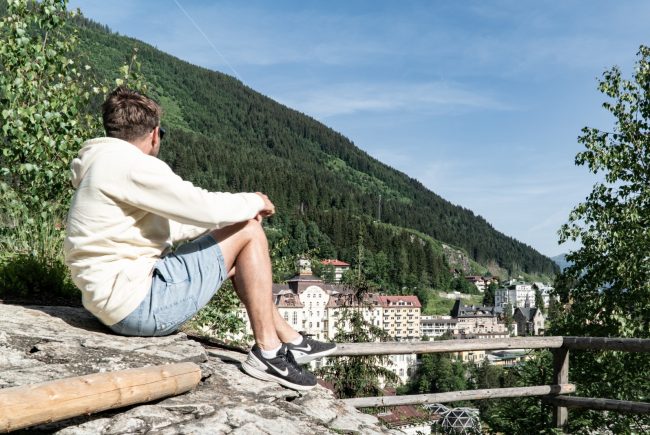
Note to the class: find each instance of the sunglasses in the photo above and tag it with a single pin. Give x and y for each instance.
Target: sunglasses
(161, 133)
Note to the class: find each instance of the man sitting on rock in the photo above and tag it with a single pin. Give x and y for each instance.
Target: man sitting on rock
(129, 208)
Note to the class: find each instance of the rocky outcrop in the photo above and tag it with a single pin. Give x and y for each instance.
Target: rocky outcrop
(39, 344)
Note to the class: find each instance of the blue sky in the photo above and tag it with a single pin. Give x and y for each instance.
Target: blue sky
(480, 101)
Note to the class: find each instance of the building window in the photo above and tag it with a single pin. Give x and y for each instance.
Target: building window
(286, 316)
(295, 318)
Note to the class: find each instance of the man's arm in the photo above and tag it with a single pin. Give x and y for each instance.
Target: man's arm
(152, 186)
(180, 232)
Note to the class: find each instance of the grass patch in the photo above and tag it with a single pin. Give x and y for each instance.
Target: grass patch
(440, 306)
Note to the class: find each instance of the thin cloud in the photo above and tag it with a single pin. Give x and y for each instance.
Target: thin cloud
(346, 99)
(252, 36)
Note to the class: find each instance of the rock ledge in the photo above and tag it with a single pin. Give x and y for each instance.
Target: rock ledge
(39, 344)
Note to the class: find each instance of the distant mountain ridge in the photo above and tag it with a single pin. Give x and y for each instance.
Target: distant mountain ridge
(561, 261)
(222, 135)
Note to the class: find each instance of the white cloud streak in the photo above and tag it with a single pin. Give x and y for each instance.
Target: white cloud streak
(351, 98)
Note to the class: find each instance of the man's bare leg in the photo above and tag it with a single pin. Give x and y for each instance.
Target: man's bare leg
(285, 332)
(245, 251)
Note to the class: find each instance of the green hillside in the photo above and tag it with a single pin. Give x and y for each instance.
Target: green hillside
(222, 135)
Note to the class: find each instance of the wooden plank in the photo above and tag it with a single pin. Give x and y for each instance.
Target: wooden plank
(403, 347)
(599, 404)
(29, 405)
(454, 396)
(606, 343)
(560, 376)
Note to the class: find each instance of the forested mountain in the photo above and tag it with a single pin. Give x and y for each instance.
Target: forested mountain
(222, 135)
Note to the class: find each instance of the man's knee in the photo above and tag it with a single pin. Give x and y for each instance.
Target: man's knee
(254, 228)
(247, 230)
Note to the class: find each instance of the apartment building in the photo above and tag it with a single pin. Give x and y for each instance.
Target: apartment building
(473, 320)
(401, 317)
(437, 326)
(519, 294)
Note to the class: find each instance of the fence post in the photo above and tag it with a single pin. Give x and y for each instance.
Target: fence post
(560, 376)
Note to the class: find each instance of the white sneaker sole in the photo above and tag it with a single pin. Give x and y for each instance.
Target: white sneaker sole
(249, 367)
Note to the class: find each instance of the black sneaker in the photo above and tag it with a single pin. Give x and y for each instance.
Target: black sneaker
(310, 349)
(282, 369)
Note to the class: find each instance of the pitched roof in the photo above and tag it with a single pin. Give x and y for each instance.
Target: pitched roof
(305, 278)
(334, 263)
(348, 300)
(527, 312)
(460, 310)
(280, 288)
(399, 301)
(288, 300)
(403, 414)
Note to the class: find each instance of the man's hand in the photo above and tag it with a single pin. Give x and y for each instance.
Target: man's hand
(267, 210)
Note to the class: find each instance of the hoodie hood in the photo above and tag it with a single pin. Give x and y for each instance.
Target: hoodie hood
(90, 151)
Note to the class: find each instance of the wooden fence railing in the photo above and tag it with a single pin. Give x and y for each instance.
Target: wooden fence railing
(553, 394)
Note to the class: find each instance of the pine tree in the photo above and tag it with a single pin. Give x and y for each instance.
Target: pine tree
(358, 376)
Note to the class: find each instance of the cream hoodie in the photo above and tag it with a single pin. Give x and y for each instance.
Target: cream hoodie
(128, 209)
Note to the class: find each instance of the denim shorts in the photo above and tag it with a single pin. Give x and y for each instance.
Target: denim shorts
(183, 282)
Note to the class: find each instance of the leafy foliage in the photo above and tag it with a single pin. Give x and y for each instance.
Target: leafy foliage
(608, 284)
(508, 318)
(488, 295)
(44, 95)
(539, 301)
(219, 318)
(438, 373)
(515, 415)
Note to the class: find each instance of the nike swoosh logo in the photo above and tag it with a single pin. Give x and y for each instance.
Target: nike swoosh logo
(305, 349)
(284, 372)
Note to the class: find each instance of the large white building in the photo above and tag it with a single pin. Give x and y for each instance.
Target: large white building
(317, 309)
(401, 317)
(520, 294)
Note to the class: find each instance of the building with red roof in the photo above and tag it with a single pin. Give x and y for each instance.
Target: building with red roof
(339, 267)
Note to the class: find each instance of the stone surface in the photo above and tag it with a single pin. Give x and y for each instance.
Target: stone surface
(40, 344)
